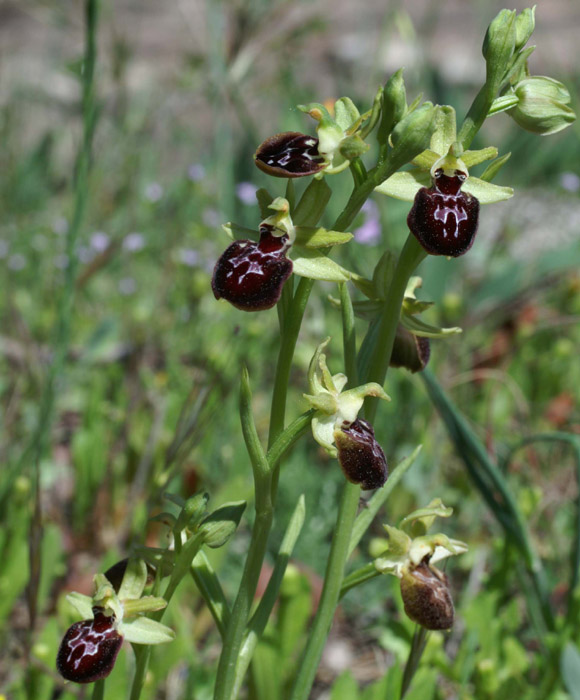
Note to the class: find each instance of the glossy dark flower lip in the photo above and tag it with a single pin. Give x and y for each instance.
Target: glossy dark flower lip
(290, 154)
(251, 275)
(360, 456)
(89, 649)
(443, 219)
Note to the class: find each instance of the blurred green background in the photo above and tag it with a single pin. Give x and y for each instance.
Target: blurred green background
(148, 402)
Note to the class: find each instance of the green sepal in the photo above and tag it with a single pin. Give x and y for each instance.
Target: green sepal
(502, 104)
(134, 580)
(405, 185)
(317, 266)
(144, 630)
(264, 200)
(426, 159)
(318, 237)
(485, 192)
(518, 70)
(425, 330)
(419, 521)
(220, 525)
(83, 604)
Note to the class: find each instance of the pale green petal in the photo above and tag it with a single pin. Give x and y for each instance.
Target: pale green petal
(485, 192)
(314, 368)
(426, 159)
(405, 184)
(144, 630)
(471, 158)
(435, 509)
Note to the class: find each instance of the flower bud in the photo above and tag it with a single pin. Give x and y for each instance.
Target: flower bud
(525, 25)
(251, 275)
(290, 154)
(443, 219)
(426, 597)
(498, 45)
(89, 649)
(543, 105)
(410, 351)
(360, 455)
(394, 105)
(412, 134)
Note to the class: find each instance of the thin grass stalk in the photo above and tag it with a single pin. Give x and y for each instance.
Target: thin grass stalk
(61, 340)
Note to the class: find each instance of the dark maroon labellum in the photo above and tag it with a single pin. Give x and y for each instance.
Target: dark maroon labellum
(426, 597)
(443, 219)
(251, 275)
(89, 649)
(290, 154)
(360, 455)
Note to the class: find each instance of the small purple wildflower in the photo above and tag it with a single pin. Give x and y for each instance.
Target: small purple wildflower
(369, 232)
(17, 262)
(60, 226)
(100, 241)
(127, 286)
(246, 192)
(60, 261)
(570, 182)
(134, 242)
(196, 172)
(188, 257)
(211, 217)
(85, 254)
(153, 192)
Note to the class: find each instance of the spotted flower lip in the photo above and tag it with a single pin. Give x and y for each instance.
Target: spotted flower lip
(426, 597)
(89, 649)
(290, 154)
(360, 456)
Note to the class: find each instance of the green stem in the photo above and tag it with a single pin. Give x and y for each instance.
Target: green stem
(330, 593)
(415, 653)
(142, 655)
(289, 437)
(99, 690)
(411, 255)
